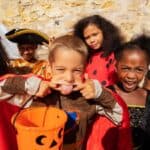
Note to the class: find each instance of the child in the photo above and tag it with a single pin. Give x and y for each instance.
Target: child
(71, 91)
(101, 38)
(28, 41)
(132, 65)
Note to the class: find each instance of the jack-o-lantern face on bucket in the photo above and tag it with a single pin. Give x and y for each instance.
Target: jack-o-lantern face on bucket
(41, 140)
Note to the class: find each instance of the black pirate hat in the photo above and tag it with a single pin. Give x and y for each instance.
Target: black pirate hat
(27, 36)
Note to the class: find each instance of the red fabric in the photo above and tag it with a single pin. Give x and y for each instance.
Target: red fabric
(104, 135)
(102, 69)
(7, 131)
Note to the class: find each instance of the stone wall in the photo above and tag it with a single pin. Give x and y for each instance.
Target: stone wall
(56, 17)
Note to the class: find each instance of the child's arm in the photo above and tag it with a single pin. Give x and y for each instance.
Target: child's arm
(106, 103)
(21, 85)
(4, 95)
(32, 85)
(18, 89)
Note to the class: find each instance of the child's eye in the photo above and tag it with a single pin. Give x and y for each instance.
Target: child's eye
(125, 69)
(78, 71)
(139, 70)
(59, 69)
(86, 38)
(95, 34)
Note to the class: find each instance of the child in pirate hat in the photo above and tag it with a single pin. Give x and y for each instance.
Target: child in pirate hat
(27, 41)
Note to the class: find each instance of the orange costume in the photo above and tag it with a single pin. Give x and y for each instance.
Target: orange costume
(39, 68)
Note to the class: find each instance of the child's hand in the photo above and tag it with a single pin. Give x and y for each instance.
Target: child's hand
(55, 82)
(44, 89)
(46, 86)
(60, 85)
(87, 88)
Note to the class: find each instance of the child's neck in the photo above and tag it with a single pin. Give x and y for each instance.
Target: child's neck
(135, 97)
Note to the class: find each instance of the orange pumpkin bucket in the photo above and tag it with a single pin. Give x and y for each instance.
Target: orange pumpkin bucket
(40, 128)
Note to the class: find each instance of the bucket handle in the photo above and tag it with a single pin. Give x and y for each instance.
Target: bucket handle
(33, 97)
(21, 108)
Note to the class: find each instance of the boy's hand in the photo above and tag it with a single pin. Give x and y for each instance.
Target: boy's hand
(87, 88)
(44, 89)
(59, 85)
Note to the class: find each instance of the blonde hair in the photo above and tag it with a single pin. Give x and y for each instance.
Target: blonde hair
(68, 42)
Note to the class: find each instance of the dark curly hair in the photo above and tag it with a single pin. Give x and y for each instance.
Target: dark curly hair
(141, 43)
(111, 34)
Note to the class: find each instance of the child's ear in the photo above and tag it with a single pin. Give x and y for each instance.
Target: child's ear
(115, 64)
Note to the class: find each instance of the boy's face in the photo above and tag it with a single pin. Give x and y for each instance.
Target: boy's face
(93, 36)
(27, 51)
(67, 69)
(131, 69)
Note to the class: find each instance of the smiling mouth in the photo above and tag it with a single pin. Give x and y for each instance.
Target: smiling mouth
(93, 45)
(130, 84)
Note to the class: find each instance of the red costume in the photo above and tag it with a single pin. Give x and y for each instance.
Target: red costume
(105, 135)
(7, 131)
(102, 69)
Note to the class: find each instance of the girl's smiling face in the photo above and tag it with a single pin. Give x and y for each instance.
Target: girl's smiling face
(131, 68)
(93, 36)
